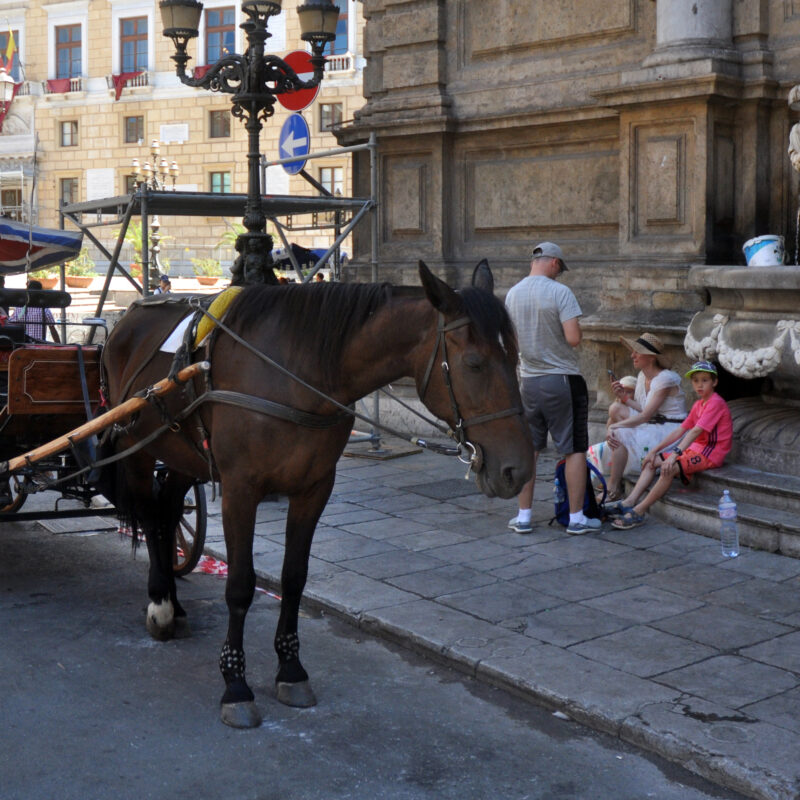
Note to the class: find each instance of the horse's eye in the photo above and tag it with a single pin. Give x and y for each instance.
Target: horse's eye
(473, 362)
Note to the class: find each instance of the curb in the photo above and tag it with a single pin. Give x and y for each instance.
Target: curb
(650, 727)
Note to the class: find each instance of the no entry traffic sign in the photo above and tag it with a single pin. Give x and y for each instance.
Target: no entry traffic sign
(300, 62)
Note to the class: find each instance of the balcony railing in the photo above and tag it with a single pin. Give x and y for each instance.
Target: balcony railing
(143, 79)
(20, 213)
(62, 85)
(342, 63)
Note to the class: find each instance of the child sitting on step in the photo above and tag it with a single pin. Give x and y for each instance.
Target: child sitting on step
(704, 439)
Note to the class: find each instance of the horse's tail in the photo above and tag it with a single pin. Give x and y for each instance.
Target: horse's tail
(111, 481)
(150, 504)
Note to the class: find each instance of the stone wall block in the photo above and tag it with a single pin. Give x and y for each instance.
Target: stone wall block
(669, 300)
(422, 23)
(402, 69)
(498, 26)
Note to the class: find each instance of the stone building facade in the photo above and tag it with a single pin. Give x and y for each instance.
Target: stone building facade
(75, 138)
(644, 136)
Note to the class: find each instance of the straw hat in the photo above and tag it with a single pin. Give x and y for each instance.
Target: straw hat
(648, 345)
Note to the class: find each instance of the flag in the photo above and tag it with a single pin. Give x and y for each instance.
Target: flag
(11, 48)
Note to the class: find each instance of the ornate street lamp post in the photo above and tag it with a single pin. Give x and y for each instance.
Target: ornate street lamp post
(152, 177)
(155, 176)
(255, 80)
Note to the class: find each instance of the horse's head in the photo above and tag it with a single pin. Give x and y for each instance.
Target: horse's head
(470, 380)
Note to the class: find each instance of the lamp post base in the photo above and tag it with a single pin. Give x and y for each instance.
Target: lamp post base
(254, 262)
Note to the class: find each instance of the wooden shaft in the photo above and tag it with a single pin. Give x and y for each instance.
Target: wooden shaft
(120, 412)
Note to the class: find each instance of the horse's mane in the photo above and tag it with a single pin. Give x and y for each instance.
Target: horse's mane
(318, 319)
(490, 318)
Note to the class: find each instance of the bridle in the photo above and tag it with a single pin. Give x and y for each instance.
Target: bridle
(475, 459)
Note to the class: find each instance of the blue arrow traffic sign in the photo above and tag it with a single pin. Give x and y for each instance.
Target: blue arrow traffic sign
(295, 140)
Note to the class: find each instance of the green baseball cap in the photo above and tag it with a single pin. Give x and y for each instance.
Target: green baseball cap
(702, 366)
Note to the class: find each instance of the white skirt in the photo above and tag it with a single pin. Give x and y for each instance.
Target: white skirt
(641, 441)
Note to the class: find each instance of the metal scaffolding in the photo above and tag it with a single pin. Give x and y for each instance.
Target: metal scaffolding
(146, 202)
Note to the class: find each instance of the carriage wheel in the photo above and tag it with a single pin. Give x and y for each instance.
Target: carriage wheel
(19, 497)
(190, 534)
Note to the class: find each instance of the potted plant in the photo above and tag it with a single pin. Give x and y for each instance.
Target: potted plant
(47, 276)
(80, 271)
(207, 270)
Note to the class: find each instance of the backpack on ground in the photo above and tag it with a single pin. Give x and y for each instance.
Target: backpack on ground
(591, 507)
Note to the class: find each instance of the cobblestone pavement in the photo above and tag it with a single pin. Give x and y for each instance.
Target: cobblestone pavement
(648, 634)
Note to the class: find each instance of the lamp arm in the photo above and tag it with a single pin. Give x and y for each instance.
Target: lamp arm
(226, 75)
(284, 79)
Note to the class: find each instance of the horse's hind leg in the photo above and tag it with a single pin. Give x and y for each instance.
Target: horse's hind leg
(169, 491)
(154, 502)
(292, 683)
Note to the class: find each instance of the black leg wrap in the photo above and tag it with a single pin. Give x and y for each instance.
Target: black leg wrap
(287, 646)
(231, 663)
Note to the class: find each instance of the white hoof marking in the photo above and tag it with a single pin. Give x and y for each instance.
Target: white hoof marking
(161, 614)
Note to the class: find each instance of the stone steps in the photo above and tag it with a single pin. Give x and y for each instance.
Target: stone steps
(768, 507)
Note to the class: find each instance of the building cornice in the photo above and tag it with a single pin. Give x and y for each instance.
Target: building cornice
(676, 90)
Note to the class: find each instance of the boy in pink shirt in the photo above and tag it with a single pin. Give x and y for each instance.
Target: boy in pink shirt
(705, 438)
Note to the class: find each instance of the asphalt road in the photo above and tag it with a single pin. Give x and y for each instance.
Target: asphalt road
(91, 707)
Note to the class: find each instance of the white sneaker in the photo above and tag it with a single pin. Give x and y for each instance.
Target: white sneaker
(584, 526)
(520, 527)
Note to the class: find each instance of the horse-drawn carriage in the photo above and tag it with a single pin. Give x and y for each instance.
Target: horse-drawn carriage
(47, 390)
(266, 406)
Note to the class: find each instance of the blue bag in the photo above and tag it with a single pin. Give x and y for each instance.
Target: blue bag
(591, 507)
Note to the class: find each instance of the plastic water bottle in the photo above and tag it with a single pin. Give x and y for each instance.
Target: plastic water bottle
(644, 456)
(558, 492)
(728, 532)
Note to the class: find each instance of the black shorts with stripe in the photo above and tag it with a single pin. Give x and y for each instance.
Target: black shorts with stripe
(558, 405)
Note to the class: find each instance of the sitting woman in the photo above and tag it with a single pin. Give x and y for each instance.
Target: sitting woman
(636, 426)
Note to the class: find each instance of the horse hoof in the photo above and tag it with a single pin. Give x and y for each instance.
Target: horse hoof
(160, 621)
(240, 715)
(297, 695)
(161, 633)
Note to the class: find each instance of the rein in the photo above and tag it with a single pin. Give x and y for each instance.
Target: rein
(475, 459)
(312, 420)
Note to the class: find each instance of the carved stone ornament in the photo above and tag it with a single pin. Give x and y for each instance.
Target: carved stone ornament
(794, 146)
(713, 342)
(18, 122)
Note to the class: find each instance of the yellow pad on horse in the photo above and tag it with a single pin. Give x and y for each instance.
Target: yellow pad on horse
(218, 308)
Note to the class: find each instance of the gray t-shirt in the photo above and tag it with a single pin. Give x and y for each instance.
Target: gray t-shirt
(538, 306)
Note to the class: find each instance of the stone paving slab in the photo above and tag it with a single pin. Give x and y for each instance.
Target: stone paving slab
(648, 634)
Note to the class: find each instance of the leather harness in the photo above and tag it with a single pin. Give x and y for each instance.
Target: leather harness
(322, 421)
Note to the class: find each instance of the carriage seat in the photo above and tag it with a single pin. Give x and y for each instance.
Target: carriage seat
(46, 379)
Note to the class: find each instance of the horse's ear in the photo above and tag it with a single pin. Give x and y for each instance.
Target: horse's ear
(482, 277)
(442, 297)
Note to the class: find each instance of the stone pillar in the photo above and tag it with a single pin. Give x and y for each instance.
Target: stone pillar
(688, 30)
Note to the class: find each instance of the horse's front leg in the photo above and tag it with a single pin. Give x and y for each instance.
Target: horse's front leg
(238, 707)
(292, 683)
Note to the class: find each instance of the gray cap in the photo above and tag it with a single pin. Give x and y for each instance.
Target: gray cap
(549, 250)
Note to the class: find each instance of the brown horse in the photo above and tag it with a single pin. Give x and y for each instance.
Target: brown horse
(346, 340)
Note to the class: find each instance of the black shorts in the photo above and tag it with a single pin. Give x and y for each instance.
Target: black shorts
(558, 405)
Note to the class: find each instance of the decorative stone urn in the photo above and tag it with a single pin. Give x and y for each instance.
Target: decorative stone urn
(751, 328)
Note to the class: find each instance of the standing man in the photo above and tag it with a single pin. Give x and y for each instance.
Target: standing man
(554, 393)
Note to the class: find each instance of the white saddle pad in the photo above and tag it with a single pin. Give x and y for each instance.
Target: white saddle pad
(175, 339)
